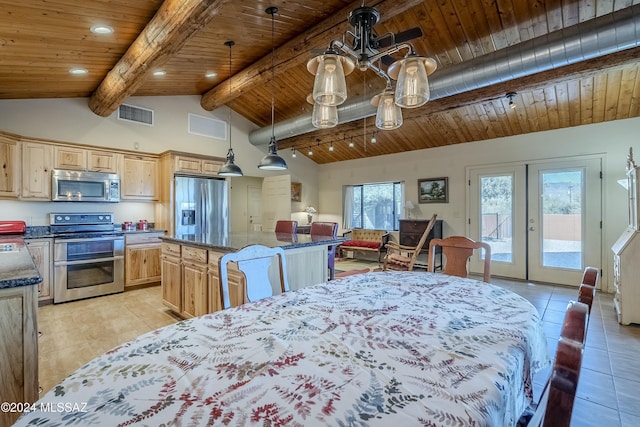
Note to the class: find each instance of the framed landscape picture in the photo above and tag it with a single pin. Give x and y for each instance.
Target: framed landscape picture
(433, 190)
(296, 192)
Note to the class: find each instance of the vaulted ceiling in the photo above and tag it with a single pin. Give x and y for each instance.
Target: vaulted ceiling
(41, 40)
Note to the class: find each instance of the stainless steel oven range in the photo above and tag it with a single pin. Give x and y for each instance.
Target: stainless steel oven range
(88, 256)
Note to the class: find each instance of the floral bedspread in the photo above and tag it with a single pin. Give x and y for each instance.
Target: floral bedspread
(378, 349)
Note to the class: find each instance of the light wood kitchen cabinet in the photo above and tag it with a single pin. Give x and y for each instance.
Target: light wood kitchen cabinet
(71, 158)
(103, 161)
(85, 159)
(171, 277)
(139, 178)
(196, 165)
(195, 297)
(142, 258)
(41, 251)
(236, 283)
(19, 349)
(37, 162)
(10, 161)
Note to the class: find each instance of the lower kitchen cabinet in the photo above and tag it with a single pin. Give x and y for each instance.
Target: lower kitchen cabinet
(195, 301)
(171, 277)
(41, 251)
(19, 349)
(142, 258)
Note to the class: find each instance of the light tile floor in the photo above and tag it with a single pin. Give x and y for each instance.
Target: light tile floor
(608, 392)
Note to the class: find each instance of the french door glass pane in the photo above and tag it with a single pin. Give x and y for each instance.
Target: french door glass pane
(562, 219)
(496, 209)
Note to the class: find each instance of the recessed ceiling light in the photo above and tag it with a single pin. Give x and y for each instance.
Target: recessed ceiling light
(159, 73)
(77, 71)
(101, 29)
(211, 75)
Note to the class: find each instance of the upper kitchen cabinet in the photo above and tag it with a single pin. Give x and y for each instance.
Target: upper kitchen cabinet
(73, 158)
(9, 160)
(78, 158)
(196, 165)
(103, 161)
(139, 178)
(37, 162)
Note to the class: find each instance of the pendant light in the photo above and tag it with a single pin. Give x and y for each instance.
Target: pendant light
(272, 161)
(230, 168)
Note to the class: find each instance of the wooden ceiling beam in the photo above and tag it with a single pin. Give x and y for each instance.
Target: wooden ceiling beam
(172, 26)
(296, 52)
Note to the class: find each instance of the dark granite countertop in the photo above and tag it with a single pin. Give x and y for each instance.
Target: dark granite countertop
(16, 265)
(237, 240)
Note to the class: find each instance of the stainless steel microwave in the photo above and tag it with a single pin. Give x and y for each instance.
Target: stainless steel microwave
(80, 186)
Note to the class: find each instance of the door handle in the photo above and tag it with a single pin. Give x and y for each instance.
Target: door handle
(532, 229)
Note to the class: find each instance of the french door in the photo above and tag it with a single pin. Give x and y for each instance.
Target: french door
(542, 219)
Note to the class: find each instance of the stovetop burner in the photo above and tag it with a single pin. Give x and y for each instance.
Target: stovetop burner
(76, 225)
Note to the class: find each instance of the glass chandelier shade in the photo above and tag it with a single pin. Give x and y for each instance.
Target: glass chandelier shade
(412, 88)
(323, 116)
(389, 114)
(329, 86)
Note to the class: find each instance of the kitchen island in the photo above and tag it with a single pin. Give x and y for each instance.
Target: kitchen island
(19, 280)
(190, 279)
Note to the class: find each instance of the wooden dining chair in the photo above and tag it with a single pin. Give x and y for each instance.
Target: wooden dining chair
(284, 226)
(556, 404)
(587, 290)
(253, 261)
(319, 228)
(457, 250)
(402, 257)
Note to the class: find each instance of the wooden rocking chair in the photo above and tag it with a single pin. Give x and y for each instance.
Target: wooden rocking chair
(402, 258)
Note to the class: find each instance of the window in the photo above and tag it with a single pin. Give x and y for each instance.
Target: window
(373, 206)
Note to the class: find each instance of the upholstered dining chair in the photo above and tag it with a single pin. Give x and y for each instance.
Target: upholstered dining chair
(284, 226)
(319, 228)
(556, 404)
(457, 250)
(402, 257)
(253, 261)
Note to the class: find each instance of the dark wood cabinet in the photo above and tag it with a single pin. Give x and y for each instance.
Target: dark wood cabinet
(412, 229)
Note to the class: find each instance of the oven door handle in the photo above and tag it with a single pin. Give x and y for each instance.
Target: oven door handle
(88, 261)
(84, 239)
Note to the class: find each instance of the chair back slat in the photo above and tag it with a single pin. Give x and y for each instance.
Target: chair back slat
(457, 250)
(254, 262)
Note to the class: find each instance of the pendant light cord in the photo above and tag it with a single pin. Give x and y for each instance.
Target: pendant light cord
(273, 73)
(230, 43)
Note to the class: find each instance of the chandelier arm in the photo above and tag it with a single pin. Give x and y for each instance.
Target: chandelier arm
(390, 51)
(380, 73)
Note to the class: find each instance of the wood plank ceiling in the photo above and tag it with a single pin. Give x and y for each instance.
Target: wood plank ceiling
(40, 40)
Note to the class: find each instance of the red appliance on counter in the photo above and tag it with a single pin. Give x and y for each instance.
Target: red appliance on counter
(13, 227)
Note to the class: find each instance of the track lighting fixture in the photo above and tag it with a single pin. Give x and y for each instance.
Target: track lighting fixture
(510, 96)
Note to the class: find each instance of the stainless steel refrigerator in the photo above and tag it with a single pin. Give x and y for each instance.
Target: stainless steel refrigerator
(202, 206)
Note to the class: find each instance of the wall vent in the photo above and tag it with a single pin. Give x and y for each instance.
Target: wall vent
(205, 126)
(131, 113)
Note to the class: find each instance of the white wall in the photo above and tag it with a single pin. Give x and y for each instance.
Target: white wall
(71, 120)
(611, 139)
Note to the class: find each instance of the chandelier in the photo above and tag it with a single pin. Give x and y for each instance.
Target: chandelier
(363, 49)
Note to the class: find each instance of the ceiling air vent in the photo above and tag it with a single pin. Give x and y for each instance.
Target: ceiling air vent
(205, 126)
(131, 113)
